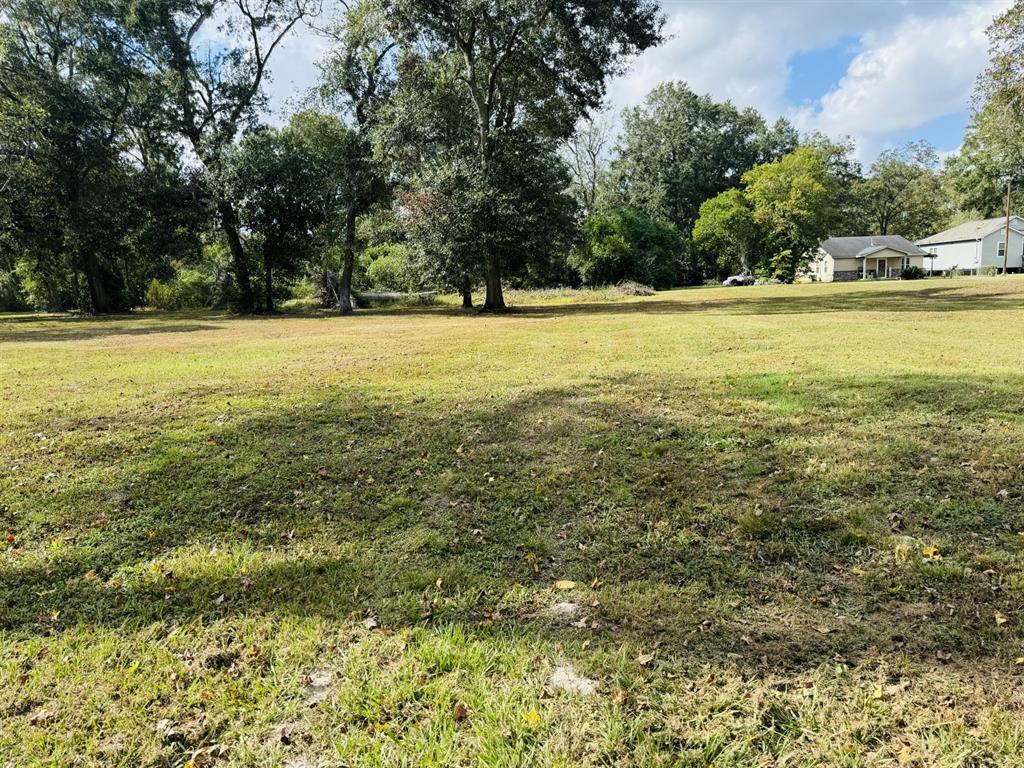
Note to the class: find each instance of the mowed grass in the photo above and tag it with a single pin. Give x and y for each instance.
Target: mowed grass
(792, 517)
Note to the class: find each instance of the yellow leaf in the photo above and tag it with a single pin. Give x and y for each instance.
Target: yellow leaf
(1000, 619)
(90, 575)
(1019, 660)
(565, 584)
(931, 553)
(532, 718)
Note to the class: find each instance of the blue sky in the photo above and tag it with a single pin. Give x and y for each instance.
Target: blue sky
(879, 71)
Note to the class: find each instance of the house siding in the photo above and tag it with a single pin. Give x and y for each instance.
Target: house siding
(971, 255)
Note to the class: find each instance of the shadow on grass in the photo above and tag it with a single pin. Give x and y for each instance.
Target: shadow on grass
(745, 301)
(79, 327)
(773, 525)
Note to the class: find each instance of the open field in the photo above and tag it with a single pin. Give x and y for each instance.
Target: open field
(794, 517)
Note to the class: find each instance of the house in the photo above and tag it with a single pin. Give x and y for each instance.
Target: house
(974, 245)
(862, 258)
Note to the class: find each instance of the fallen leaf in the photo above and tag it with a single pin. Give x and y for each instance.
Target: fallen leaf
(565, 584)
(1000, 619)
(40, 717)
(532, 718)
(205, 756)
(370, 623)
(905, 756)
(931, 553)
(460, 712)
(644, 659)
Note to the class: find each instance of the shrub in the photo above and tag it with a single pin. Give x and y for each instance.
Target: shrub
(190, 289)
(389, 268)
(625, 244)
(989, 271)
(12, 297)
(912, 273)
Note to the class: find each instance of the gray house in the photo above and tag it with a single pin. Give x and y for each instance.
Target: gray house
(864, 258)
(974, 245)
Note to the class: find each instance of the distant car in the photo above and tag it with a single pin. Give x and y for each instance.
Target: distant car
(739, 280)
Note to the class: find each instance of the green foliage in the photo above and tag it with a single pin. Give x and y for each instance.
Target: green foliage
(457, 216)
(389, 268)
(281, 192)
(679, 149)
(903, 194)
(794, 201)
(188, 289)
(514, 82)
(12, 293)
(1000, 89)
(624, 244)
(912, 273)
(989, 271)
(726, 233)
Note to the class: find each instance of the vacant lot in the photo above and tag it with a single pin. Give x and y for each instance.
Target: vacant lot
(776, 526)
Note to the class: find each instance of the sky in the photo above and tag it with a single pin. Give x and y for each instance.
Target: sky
(880, 71)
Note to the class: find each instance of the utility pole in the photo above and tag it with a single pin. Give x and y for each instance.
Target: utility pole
(1006, 239)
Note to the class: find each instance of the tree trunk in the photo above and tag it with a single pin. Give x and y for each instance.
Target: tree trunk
(467, 293)
(495, 299)
(268, 280)
(98, 294)
(345, 289)
(229, 225)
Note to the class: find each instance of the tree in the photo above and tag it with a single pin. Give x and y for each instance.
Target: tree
(529, 68)
(726, 232)
(903, 194)
(357, 79)
(625, 244)
(212, 93)
(586, 152)
(793, 200)
(974, 176)
(520, 213)
(1000, 92)
(77, 110)
(280, 192)
(679, 149)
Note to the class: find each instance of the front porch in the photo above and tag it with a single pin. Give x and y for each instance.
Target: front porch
(883, 268)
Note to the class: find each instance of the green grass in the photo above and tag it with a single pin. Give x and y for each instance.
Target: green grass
(325, 541)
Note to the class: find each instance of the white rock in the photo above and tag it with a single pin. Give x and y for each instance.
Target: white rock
(565, 679)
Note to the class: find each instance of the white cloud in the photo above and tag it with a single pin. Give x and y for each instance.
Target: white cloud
(906, 76)
(916, 61)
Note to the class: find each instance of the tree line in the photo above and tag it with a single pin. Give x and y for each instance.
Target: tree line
(446, 146)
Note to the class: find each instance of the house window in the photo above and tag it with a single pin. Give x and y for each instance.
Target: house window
(906, 262)
(1002, 248)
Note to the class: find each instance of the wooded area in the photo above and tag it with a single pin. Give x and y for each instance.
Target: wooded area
(446, 146)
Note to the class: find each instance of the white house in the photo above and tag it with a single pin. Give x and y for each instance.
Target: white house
(864, 258)
(974, 245)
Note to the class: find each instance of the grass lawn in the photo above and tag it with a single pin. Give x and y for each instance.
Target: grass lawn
(761, 527)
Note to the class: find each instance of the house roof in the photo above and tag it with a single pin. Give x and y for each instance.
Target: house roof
(859, 247)
(969, 231)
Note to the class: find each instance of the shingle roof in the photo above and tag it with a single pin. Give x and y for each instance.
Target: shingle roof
(856, 247)
(969, 231)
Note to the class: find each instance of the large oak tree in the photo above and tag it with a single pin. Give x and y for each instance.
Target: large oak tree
(527, 67)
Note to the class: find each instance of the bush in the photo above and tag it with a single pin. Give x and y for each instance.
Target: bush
(190, 289)
(912, 273)
(389, 268)
(989, 271)
(627, 245)
(12, 297)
